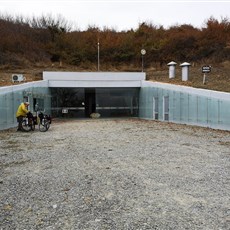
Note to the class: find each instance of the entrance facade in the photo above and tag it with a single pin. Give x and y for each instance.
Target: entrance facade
(79, 94)
(108, 102)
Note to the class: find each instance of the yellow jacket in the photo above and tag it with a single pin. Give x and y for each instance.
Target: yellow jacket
(22, 110)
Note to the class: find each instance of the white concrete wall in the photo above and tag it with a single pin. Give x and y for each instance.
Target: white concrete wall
(94, 79)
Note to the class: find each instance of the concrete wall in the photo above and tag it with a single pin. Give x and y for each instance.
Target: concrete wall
(94, 79)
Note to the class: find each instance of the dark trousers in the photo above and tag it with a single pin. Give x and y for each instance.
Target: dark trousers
(19, 120)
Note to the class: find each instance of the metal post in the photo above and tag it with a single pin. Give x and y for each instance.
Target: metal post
(142, 63)
(204, 78)
(98, 56)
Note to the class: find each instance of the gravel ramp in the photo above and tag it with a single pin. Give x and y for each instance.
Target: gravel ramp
(115, 174)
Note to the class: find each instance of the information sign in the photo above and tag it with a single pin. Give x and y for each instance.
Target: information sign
(206, 69)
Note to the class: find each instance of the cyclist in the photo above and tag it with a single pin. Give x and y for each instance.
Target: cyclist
(21, 113)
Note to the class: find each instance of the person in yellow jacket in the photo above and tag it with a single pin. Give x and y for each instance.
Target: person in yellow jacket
(21, 113)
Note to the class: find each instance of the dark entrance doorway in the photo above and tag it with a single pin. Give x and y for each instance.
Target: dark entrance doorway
(81, 102)
(90, 101)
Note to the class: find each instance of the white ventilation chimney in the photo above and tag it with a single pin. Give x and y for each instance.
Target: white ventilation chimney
(185, 71)
(172, 69)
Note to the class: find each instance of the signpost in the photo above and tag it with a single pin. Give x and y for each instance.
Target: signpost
(205, 69)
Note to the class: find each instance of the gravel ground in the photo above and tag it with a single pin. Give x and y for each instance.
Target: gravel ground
(115, 174)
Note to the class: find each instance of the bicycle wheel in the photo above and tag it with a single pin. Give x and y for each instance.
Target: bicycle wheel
(47, 124)
(44, 125)
(26, 127)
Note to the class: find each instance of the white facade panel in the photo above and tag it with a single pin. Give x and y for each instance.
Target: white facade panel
(94, 76)
(94, 84)
(94, 79)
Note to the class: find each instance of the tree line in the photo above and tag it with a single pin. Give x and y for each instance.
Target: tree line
(25, 41)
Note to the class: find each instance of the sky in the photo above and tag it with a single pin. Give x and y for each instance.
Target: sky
(121, 15)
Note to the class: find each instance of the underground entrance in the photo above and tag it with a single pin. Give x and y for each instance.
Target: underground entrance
(81, 102)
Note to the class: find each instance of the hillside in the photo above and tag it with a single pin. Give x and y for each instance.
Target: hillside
(31, 46)
(218, 79)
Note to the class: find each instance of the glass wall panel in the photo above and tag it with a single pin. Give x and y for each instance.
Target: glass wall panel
(143, 102)
(9, 108)
(184, 111)
(146, 103)
(3, 112)
(175, 109)
(185, 108)
(213, 111)
(192, 109)
(224, 114)
(67, 102)
(117, 102)
(14, 96)
(202, 110)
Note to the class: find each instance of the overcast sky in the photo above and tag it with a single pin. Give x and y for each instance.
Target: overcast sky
(121, 15)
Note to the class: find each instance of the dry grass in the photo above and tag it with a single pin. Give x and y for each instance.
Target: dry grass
(218, 79)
